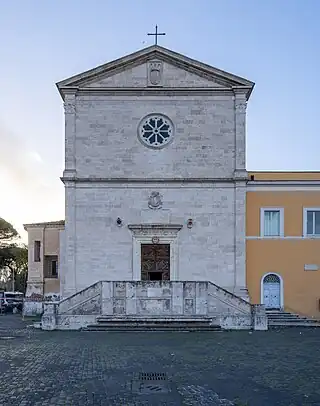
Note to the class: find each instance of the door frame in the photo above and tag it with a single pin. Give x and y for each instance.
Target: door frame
(144, 234)
(281, 288)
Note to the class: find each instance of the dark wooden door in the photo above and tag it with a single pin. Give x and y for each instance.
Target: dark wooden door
(155, 262)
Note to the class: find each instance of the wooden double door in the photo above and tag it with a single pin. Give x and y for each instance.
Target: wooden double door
(155, 262)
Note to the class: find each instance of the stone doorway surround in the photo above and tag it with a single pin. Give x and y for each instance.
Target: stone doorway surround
(155, 234)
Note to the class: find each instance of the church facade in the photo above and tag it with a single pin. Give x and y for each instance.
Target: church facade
(155, 141)
(156, 187)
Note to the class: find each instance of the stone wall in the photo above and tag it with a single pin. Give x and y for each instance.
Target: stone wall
(107, 144)
(144, 299)
(154, 298)
(110, 174)
(104, 251)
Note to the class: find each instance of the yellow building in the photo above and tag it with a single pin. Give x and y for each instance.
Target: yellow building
(283, 241)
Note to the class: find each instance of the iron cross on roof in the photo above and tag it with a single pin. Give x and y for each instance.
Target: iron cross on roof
(156, 34)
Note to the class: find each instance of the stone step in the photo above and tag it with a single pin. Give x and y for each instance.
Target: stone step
(285, 315)
(150, 328)
(149, 322)
(153, 325)
(287, 318)
(155, 319)
(293, 324)
(292, 320)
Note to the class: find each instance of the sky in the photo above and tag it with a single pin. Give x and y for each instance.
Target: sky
(274, 43)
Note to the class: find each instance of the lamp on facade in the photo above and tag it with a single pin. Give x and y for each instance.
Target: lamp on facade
(119, 221)
(189, 223)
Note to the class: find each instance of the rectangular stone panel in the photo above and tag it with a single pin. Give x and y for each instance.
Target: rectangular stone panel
(150, 307)
(167, 306)
(119, 306)
(107, 290)
(189, 306)
(177, 298)
(154, 292)
(131, 306)
(131, 291)
(141, 290)
(119, 289)
(189, 289)
(201, 298)
(107, 306)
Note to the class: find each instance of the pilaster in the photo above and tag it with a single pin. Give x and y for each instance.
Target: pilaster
(240, 240)
(240, 134)
(68, 282)
(70, 135)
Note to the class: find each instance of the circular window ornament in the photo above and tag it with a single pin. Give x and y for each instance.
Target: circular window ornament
(155, 131)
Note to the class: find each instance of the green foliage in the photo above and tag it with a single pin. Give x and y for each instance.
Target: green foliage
(7, 232)
(14, 264)
(13, 257)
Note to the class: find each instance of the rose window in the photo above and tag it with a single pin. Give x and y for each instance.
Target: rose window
(155, 131)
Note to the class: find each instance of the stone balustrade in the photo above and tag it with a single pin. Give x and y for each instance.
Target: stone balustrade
(166, 299)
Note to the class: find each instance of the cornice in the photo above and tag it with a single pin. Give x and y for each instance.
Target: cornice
(281, 183)
(201, 69)
(50, 224)
(152, 180)
(159, 91)
(157, 226)
(155, 230)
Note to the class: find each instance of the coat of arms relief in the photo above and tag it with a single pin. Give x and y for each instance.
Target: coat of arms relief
(155, 73)
(155, 200)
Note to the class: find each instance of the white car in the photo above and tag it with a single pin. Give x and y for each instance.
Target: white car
(11, 301)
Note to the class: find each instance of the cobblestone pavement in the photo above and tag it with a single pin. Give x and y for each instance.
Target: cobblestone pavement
(278, 367)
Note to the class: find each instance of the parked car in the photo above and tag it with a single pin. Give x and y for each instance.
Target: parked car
(11, 302)
(1, 301)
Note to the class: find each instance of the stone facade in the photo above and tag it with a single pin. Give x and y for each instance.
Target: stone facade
(42, 285)
(109, 174)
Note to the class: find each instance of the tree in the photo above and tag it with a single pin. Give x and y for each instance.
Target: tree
(13, 257)
(7, 232)
(14, 266)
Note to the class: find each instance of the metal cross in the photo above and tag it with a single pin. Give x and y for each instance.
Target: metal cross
(156, 34)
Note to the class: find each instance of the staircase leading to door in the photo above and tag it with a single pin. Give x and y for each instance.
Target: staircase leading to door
(278, 318)
(153, 305)
(142, 324)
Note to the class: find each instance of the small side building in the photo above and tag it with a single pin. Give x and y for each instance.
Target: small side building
(43, 265)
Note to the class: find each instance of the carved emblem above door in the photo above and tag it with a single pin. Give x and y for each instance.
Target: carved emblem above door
(155, 200)
(155, 73)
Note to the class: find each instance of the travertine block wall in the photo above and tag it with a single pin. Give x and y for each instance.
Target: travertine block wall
(107, 145)
(104, 251)
(113, 171)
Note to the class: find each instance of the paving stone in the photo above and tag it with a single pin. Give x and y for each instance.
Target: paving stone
(277, 368)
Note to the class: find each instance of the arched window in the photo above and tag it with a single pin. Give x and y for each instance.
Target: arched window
(271, 278)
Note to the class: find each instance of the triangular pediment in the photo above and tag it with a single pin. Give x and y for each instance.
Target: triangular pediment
(170, 70)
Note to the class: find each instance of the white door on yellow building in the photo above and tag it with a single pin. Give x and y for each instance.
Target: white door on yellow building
(271, 291)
